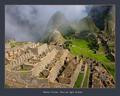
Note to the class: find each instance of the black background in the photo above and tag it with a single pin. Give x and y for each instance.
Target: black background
(39, 92)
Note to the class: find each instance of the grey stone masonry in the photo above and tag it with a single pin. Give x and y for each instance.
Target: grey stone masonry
(55, 70)
(44, 62)
(40, 49)
(75, 74)
(19, 60)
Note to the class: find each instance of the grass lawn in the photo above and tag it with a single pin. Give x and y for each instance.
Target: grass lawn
(81, 47)
(86, 81)
(14, 43)
(23, 73)
(7, 86)
(79, 80)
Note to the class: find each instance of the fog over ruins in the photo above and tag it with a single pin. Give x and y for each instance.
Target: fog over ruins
(60, 46)
(28, 23)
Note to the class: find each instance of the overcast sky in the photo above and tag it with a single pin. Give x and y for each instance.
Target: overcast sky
(28, 22)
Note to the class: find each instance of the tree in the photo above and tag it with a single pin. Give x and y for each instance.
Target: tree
(93, 44)
(67, 45)
(67, 31)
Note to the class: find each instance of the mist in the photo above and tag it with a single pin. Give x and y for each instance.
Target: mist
(99, 13)
(28, 22)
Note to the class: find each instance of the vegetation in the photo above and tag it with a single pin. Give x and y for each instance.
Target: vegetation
(80, 46)
(14, 43)
(67, 44)
(110, 57)
(67, 31)
(79, 80)
(86, 81)
(93, 45)
(7, 86)
(25, 67)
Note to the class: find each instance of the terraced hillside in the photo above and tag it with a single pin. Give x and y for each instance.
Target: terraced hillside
(96, 67)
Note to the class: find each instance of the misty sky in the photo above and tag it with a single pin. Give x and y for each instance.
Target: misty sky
(28, 22)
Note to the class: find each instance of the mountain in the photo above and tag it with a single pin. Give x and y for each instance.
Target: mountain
(110, 24)
(55, 37)
(58, 19)
(56, 22)
(85, 27)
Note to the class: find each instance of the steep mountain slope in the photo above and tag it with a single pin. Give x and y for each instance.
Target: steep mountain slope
(56, 37)
(85, 27)
(58, 19)
(53, 32)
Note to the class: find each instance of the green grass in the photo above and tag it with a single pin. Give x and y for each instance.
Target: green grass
(26, 68)
(7, 86)
(81, 47)
(14, 43)
(79, 80)
(86, 81)
(24, 73)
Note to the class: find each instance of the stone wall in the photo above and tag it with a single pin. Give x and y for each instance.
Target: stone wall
(44, 62)
(20, 80)
(39, 50)
(75, 74)
(19, 61)
(16, 80)
(55, 70)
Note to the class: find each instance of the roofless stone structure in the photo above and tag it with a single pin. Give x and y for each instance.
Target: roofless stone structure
(35, 65)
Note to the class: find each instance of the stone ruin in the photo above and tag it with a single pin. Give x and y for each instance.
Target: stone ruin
(99, 76)
(40, 66)
(104, 41)
(49, 66)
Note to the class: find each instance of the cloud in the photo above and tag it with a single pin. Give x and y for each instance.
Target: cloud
(28, 22)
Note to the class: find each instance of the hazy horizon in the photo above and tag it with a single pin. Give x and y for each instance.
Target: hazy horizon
(28, 22)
